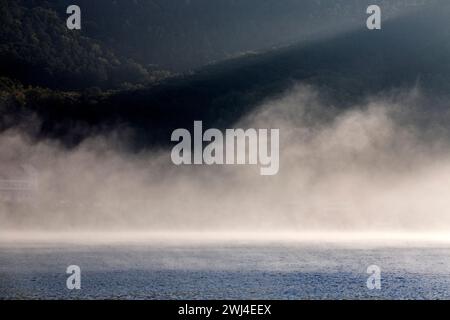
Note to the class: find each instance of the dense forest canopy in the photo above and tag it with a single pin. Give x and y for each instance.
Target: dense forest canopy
(180, 35)
(37, 48)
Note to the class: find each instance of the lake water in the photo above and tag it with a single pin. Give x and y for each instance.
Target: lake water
(223, 271)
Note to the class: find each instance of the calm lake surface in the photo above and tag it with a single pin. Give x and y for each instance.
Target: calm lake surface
(218, 271)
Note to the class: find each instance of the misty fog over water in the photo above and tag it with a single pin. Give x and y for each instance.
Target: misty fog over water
(364, 136)
(88, 182)
(371, 167)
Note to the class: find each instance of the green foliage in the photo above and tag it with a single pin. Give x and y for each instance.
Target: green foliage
(37, 48)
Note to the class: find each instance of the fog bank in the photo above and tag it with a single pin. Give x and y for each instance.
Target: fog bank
(380, 166)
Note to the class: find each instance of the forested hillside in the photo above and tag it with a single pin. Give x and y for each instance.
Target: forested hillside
(181, 35)
(37, 49)
(346, 68)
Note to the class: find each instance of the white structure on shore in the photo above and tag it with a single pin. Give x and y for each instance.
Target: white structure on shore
(18, 184)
